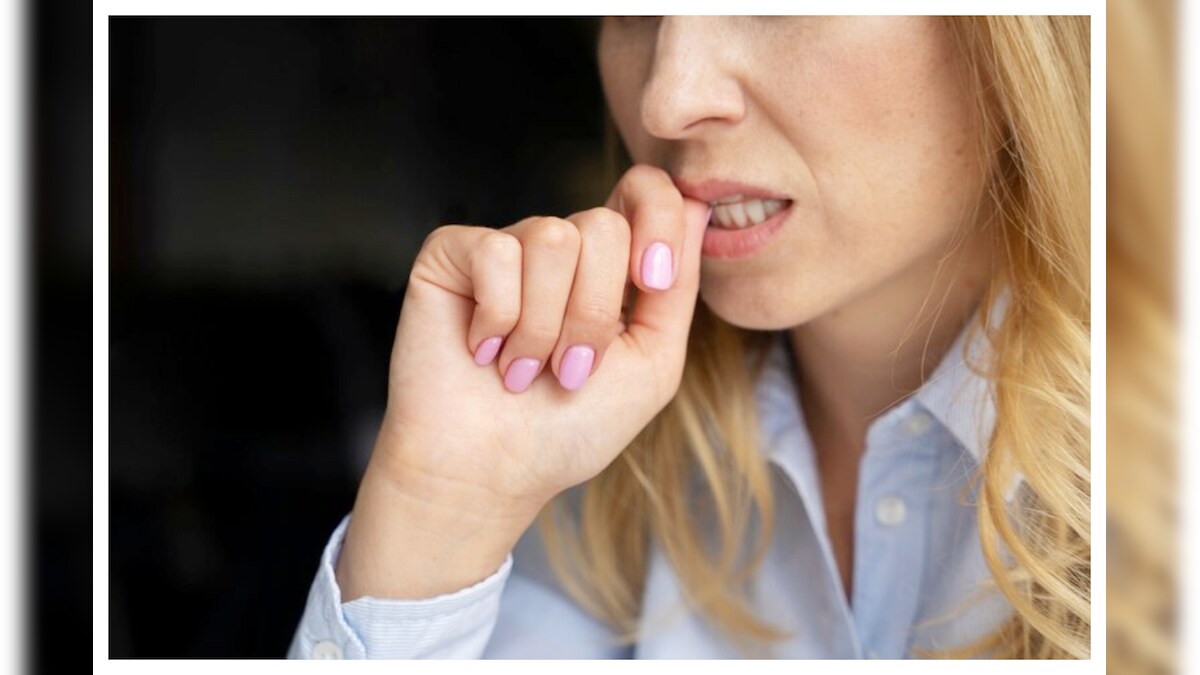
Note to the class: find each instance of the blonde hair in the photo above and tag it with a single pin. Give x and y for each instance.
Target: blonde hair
(1032, 78)
(1143, 345)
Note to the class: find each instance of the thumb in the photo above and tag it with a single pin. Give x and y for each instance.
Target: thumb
(664, 318)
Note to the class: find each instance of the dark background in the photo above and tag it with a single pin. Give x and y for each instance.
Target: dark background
(57, 371)
(270, 182)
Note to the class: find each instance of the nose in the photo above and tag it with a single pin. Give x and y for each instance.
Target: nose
(691, 88)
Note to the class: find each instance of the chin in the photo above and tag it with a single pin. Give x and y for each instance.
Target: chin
(741, 307)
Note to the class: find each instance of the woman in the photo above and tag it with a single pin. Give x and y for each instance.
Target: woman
(869, 438)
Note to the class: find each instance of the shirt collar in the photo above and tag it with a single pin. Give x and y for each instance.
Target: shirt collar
(958, 396)
(955, 394)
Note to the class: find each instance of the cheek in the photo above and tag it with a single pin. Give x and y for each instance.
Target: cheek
(885, 137)
(910, 145)
(892, 145)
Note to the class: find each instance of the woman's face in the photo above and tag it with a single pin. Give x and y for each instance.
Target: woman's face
(863, 124)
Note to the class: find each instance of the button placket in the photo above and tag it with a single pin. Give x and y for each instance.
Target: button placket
(897, 468)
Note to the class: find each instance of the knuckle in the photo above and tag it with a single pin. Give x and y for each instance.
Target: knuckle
(555, 234)
(522, 224)
(500, 247)
(605, 223)
(438, 234)
(655, 181)
(648, 173)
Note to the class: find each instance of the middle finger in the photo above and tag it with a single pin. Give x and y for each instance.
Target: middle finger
(549, 254)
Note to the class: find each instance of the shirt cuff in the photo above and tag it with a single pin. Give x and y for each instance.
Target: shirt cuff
(454, 625)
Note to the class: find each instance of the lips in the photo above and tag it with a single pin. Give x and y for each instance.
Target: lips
(745, 217)
(714, 190)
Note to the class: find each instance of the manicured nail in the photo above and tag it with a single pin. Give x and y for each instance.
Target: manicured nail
(487, 350)
(520, 374)
(656, 266)
(575, 367)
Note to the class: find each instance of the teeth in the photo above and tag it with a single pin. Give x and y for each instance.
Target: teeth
(737, 215)
(755, 210)
(720, 216)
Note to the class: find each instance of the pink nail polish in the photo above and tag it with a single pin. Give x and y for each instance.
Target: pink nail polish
(487, 350)
(575, 367)
(520, 374)
(657, 270)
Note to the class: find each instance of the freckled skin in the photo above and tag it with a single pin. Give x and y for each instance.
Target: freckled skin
(869, 125)
(864, 121)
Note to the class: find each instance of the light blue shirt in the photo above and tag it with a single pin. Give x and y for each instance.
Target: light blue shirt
(920, 581)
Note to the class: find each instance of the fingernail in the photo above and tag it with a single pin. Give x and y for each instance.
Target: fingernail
(520, 374)
(656, 266)
(575, 367)
(487, 350)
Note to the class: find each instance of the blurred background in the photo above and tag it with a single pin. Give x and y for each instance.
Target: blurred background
(271, 181)
(1144, 306)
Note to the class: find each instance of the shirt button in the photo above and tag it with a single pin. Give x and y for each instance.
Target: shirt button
(918, 424)
(890, 511)
(326, 651)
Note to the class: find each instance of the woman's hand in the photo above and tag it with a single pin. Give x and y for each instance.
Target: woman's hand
(514, 377)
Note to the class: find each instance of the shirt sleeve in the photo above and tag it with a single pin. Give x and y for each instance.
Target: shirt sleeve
(516, 612)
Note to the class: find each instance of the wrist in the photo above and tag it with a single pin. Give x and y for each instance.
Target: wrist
(418, 536)
(463, 483)
(476, 490)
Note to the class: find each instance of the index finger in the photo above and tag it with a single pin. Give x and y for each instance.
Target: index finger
(649, 200)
